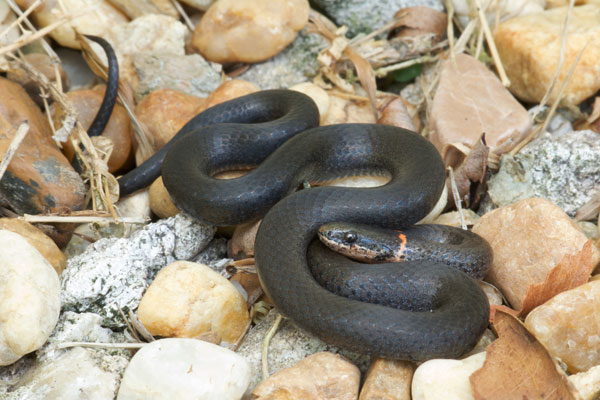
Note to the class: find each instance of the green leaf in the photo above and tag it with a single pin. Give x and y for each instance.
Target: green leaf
(408, 74)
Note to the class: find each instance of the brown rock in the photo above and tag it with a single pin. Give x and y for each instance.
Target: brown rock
(529, 239)
(39, 178)
(86, 103)
(160, 202)
(187, 299)
(230, 90)
(529, 47)
(251, 31)
(320, 376)
(37, 239)
(470, 100)
(388, 380)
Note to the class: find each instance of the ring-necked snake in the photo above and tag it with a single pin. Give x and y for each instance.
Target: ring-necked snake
(274, 130)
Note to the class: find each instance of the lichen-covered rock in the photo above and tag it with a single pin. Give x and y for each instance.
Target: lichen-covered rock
(288, 346)
(29, 298)
(113, 273)
(184, 369)
(297, 63)
(321, 375)
(568, 326)
(561, 167)
(365, 16)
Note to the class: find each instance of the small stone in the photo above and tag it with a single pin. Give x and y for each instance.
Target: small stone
(160, 202)
(322, 375)
(86, 103)
(188, 299)
(446, 379)
(184, 369)
(529, 238)
(37, 239)
(29, 298)
(587, 384)
(471, 100)
(39, 178)
(567, 326)
(113, 273)
(529, 47)
(101, 16)
(250, 31)
(388, 380)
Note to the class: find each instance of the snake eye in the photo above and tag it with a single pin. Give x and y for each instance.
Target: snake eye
(350, 237)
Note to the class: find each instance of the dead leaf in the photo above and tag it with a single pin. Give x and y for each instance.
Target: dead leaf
(251, 285)
(572, 271)
(395, 113)
(470, 174)
(419, 21)
(501, 308)
(518, 367)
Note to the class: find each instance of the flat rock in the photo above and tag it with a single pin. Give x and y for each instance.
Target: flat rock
(529, 238)
(567, 326)
(184, 369)
(388, 380)
(320, 376)
(29, 298)
(250, 31)
(39, 178)
(113, 273)
(471, 100)
(187, 299)
(529, 47)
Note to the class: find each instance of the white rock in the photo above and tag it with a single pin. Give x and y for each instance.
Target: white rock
(446, 379)
(29, 298)
(184, 369)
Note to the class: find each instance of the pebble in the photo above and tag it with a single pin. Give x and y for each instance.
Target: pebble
(100, 16)
(587, 384)
(39, 178)
(446, 379)
(184, 369)
(562, 167)
(388, 380)
(249, 31)
(529, 47)
(470, 100)
(86, 103)
(529, 238)
(568, 326)
(113, 273)
(29, 298)
(187, 299)
(37, 239)
(160, 202)
(320, 376)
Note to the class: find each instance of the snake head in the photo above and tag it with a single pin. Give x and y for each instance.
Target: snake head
(359, 242)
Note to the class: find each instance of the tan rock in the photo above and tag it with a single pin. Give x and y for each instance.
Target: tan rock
(469, 101)
(29, 298)
(320, 376)
(137, 8)
(230, 90)
(452, 218)
(529, 238)
(446, 379)
(160, 202)
(98, 17)
(587, 384)
(37, 239)
(249, 31)
(568, 326)
(529, 47)
(319, 96)
(39, 178)
(388, 380)
(188, 299)
(86, 103)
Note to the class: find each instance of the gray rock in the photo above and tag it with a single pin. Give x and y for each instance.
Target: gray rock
(561, 167)
(215, 256)
(365, 16)
(112, 274)
(297, 63)
(190, 74)
(289, 345)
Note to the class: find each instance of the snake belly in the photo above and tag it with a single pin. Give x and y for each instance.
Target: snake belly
(447, 326)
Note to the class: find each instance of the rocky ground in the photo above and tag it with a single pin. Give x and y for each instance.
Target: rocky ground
(104, 297)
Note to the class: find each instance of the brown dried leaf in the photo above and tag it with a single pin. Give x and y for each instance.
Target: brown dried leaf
(419, 21)
(518, 367)
(501, 308)
(395, 113)
(471, 172)
(572, 271)
(251, 285)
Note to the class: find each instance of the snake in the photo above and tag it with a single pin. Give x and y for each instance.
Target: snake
(441, 311)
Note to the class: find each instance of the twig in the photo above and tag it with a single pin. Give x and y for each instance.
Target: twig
(456, 197)
(491, 44)
(394, 67)
(265, 349)
(21, 17)
(65, 345)
(183, 14)
(450, 28)
(13, 146)
(82, 219)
